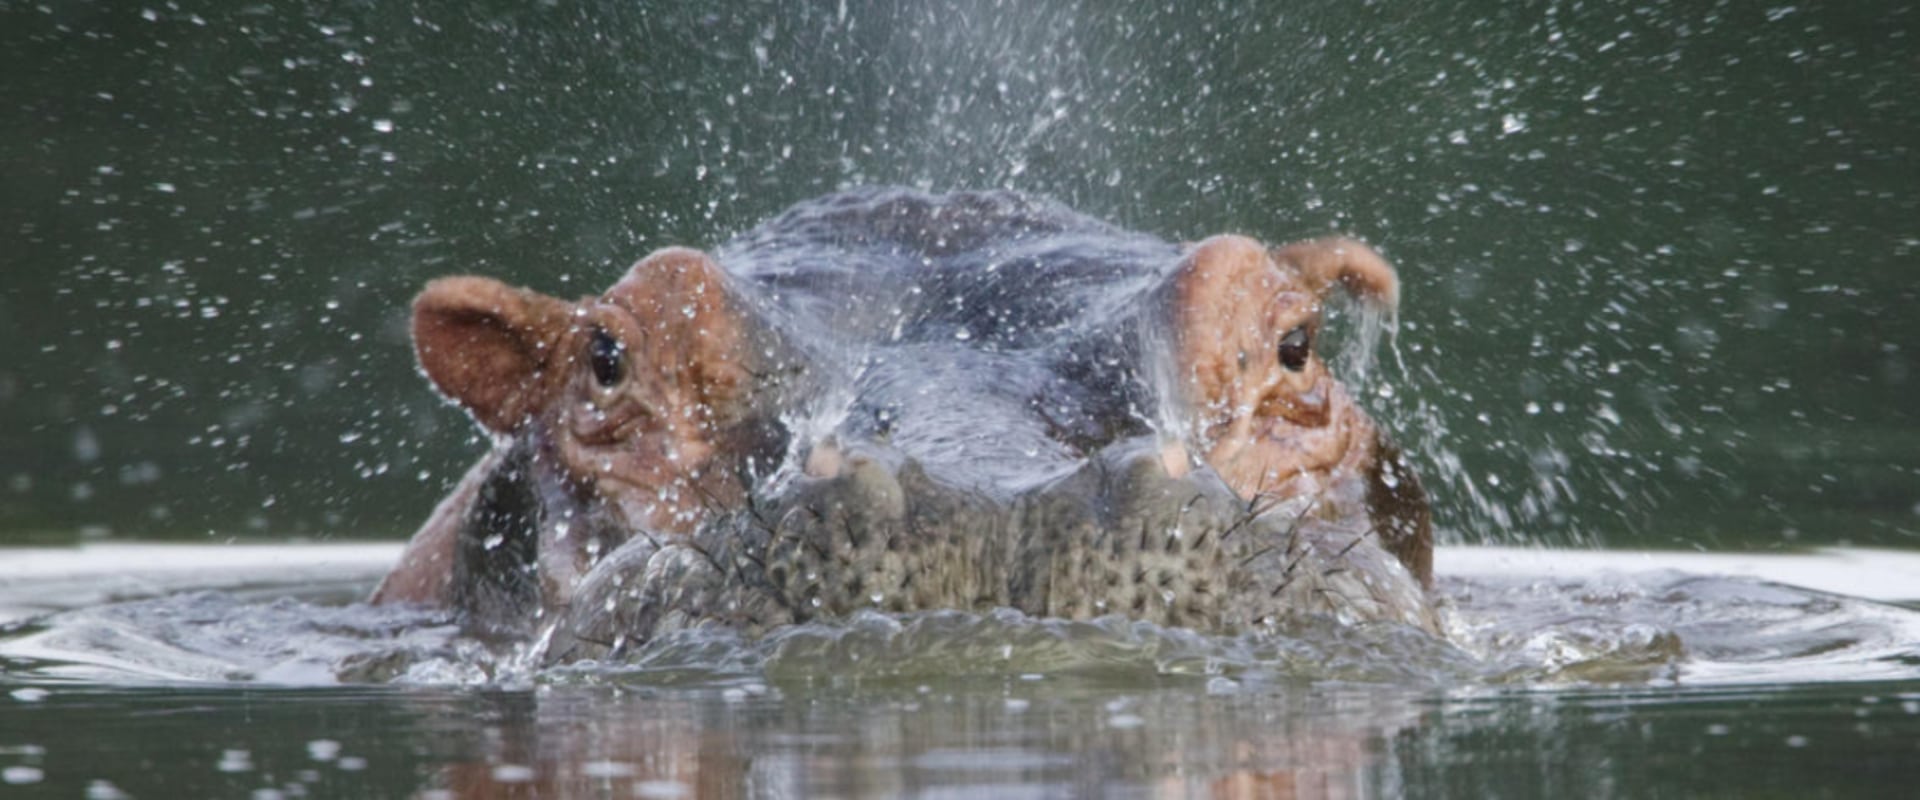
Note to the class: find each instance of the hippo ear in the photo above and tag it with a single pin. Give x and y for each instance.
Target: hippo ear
(486, 345)
(1262, 407)
(1355, 266)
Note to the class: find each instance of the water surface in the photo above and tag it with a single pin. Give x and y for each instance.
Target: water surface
(1626, 675)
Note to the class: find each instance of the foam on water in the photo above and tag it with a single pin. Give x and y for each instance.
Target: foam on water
(218, 636)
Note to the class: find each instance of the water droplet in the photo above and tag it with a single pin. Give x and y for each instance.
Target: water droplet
(512, 773)
(323, 749)
(86, 446)
(235, 761)
(606, 769)
(21, 775)
(104, 790)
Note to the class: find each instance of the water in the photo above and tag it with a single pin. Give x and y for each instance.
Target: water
(1657, 270)
(1012, 740)
(1607, 675)
(1655, 259)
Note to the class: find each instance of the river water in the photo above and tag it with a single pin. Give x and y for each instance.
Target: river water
(248, 671)
(1657, 263)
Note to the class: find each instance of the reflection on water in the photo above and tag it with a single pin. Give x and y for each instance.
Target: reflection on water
(1026, 737)
(1595, 682)
(1023, 736)
(992, 738)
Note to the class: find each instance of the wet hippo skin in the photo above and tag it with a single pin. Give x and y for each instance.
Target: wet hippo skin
(899, 401)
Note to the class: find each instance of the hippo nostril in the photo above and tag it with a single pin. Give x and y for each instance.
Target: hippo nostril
(1175, 459)
(874, 483)
(1144, 471)
(824, 460)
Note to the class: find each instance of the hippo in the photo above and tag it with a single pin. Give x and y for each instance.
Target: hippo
(890, 400)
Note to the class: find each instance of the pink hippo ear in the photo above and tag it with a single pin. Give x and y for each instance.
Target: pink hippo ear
(488, 346)
(1356, 267)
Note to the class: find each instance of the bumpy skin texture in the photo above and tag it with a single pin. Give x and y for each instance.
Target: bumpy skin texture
(901, 401)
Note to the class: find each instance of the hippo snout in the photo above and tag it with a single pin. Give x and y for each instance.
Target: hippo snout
(1122, 534)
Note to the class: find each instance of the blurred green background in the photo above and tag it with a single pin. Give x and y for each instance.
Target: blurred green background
(1659, 258)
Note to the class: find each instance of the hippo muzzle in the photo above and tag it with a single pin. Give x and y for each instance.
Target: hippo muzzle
(1119, 535)
(895, 401)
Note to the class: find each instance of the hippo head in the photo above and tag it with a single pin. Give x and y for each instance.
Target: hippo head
(1259, 401)
(644, 394)
(918, 408)
(630, 413)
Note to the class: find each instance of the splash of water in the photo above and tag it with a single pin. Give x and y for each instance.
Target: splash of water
(1366, 325)
(1502, 629)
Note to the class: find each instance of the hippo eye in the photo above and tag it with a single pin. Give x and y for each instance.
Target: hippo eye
(607, 357)
(1295, 347)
